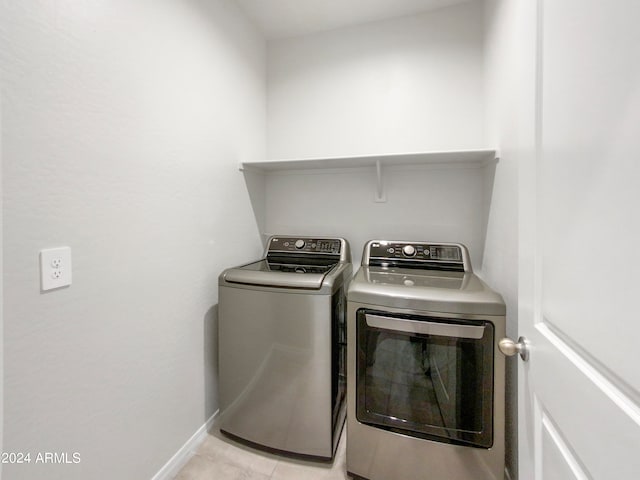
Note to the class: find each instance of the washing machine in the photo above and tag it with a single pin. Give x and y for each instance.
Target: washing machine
(282, 347)
(426, 382)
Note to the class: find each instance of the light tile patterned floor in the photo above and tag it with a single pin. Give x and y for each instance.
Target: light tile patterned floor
(220, 458)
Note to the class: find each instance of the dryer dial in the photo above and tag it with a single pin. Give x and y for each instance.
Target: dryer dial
(300, 244)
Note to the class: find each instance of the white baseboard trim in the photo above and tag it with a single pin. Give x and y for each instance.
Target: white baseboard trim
(182, 456)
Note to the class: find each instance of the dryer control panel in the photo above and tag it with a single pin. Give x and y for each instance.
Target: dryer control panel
(423, 255)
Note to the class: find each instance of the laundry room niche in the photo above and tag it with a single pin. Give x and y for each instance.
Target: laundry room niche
(434, 196)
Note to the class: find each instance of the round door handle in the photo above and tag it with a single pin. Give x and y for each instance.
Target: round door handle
(509, 348)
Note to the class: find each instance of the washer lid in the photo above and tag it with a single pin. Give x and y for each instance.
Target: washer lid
(423, 290)
(260, 273)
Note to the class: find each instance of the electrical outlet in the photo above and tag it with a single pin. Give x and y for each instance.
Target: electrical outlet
(55, 268)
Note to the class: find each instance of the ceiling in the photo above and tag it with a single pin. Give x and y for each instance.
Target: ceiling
(287, 18)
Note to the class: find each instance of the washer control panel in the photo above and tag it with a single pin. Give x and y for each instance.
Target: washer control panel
(305, 245)
(424, 255)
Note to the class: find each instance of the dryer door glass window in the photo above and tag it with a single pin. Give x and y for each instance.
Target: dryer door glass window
(426, 377)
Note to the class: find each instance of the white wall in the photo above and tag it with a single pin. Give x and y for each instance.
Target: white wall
(423, 203)
(123, 123)
(407, 84)
(510, 99)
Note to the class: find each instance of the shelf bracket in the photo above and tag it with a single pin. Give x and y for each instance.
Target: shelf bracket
(381, 196)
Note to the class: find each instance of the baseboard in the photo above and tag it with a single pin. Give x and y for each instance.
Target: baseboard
(182, 456)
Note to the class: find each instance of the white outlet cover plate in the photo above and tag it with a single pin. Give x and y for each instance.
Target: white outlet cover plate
(51, 275)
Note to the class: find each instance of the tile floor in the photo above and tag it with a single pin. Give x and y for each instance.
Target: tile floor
(220, 458)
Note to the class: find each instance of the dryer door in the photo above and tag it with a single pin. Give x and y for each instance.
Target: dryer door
(426, 377)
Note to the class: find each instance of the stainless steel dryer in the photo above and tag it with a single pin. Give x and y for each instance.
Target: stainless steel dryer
(425, 378)
(282, 346)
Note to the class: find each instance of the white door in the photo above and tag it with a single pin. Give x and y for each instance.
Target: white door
(579, 394)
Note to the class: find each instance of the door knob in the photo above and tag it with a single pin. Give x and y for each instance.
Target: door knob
(509, 348)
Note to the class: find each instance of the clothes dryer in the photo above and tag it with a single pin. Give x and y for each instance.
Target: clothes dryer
(426, 382)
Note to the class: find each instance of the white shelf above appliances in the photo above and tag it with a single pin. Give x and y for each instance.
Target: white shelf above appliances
(479, 156)
(452, 158)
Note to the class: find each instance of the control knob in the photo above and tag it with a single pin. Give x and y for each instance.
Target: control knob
(300, 244)
(409, 250)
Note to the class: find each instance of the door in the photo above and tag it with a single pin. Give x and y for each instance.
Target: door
(579, 394)
(426, 377)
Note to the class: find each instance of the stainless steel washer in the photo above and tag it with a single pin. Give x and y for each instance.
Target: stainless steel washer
(425, 394)
(282, 346)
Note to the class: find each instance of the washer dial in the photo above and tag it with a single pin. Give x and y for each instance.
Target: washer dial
(409, 250)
